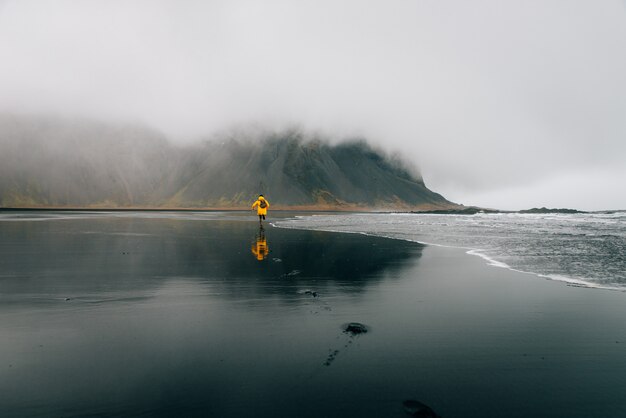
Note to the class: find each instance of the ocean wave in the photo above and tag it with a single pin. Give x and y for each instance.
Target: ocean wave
(532, 244)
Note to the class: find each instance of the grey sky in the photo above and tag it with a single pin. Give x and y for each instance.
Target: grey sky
(507, 104)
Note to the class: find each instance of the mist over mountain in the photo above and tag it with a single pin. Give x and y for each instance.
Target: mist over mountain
(48, 162)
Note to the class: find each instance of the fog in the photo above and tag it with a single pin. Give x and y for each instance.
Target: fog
(507, 104)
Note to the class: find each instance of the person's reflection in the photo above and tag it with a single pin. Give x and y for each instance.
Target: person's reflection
(260, 248)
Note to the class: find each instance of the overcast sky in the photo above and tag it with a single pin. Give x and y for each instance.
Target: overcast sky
(508, 104)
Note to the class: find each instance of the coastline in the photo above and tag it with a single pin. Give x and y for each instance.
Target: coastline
(457, 232)
(476, 252)
(287, 211)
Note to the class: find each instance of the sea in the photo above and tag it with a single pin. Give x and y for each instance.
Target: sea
(582, 249)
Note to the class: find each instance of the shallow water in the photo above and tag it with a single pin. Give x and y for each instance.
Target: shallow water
(204, 314)
(584, 249)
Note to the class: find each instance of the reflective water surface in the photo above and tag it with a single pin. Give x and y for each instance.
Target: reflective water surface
(176, 315)
(208, 315)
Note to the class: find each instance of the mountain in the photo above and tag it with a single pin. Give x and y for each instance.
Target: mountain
(47, 162)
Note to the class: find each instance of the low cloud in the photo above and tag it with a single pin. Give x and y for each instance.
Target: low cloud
(486, 97)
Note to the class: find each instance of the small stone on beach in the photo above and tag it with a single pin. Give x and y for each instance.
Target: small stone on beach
(355, 328)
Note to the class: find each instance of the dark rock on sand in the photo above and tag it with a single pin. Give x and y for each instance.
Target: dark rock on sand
(355, 328)
(418, 409)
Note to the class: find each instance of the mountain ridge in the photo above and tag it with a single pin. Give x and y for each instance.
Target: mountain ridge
(61, 164)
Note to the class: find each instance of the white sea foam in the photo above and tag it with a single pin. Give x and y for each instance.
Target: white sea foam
(490, 261)
(585, 250)
(580, 282)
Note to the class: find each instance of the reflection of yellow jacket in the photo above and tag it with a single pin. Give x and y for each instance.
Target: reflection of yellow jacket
(260, 248)
(260, 210)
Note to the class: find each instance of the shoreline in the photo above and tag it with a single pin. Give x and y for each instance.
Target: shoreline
(477, 252)
(303, 208)
(156, 209)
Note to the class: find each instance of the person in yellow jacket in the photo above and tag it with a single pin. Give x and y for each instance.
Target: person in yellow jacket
(262, 206)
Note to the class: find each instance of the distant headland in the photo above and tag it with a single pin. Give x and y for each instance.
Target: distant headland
(472, 210)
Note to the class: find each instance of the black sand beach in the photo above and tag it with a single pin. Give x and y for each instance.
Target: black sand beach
(173, 315)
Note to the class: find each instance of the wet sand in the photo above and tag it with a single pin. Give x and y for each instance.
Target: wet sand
(177, 316)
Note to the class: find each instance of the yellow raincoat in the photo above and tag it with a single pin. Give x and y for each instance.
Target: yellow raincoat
(259, 209)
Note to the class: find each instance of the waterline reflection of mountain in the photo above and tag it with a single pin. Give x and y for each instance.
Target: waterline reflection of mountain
(112, 256)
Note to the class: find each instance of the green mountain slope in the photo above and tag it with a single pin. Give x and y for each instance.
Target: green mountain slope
(52, 163)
